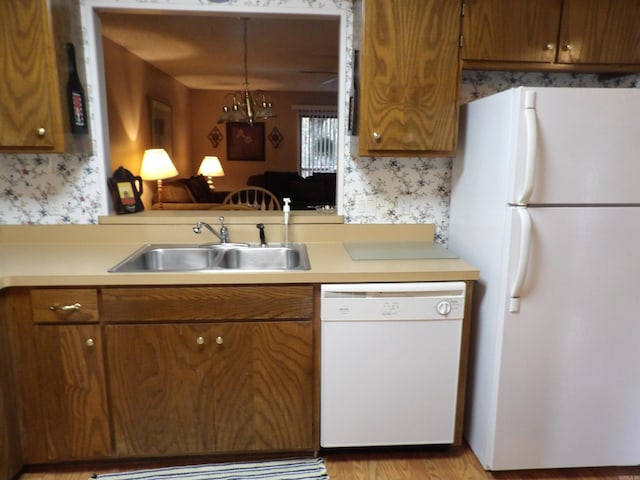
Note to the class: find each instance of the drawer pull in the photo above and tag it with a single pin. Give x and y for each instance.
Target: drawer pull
(90, 342)
(66, 308)
(219, 340)
(200, 340)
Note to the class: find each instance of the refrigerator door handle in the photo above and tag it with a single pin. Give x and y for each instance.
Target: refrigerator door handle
(531, 147)
(523, 259)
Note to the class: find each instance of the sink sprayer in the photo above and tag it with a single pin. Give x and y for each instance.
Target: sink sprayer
(286, 209)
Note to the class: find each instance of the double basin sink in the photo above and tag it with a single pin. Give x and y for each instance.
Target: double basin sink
(215, 257)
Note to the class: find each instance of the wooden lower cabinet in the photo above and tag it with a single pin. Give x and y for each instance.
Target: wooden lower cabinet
(199, 388)
(58, 375)
(218, 369)
(149, 372)
(73, 394)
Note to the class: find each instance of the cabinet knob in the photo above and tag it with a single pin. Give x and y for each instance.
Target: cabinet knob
(42, 131)
(568, 47)
(549, 46)
(377, 136)
(200, 340)
(66, 308)
(90, 342)
(219, 340)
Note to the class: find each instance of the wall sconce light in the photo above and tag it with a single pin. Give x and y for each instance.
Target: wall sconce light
(156, 165)
(210, 167)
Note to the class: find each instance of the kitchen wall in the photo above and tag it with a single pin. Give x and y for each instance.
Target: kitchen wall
(63, 188)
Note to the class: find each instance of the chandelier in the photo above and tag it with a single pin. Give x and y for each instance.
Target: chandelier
(245, 105)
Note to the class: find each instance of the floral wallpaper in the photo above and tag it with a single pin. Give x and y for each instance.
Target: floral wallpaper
(64, 188)
(44, 189)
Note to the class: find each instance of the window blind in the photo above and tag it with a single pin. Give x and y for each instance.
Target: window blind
(318, 131)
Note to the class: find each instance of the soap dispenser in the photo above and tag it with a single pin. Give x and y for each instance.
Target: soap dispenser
(286, 209)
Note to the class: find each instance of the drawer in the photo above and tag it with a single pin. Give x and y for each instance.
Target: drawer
(64, 305)
(151, 304)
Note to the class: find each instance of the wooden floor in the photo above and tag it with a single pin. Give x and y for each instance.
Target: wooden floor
(456, 463)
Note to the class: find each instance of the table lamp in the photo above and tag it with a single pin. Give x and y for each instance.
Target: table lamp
(156, 165)
(210, 167)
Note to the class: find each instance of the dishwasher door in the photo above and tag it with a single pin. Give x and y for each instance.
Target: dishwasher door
(390, 363)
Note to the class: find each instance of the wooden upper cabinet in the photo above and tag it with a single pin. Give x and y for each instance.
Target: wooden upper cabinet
(600, 31)
(510, 31)
(578, 35)
(410, 77)
(30, 108)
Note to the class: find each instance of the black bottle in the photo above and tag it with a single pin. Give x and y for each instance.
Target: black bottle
(75, 95)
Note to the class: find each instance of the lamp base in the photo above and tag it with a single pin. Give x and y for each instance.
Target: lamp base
(159, 186)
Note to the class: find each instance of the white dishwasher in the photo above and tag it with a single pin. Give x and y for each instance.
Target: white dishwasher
(390, 361)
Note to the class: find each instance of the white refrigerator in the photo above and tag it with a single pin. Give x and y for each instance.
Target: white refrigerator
(546, 203)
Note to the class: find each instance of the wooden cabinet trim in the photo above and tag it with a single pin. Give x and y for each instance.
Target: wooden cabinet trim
(10, 445)
(205, 304)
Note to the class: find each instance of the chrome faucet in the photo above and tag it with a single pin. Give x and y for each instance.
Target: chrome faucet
(224, 231)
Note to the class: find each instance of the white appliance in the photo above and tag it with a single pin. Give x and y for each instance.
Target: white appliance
(390, 363)
(546, 203)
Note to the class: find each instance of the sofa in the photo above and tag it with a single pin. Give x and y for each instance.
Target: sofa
(305, 193)
(188, 194)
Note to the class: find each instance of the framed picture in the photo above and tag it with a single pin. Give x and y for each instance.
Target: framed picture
(245, 142)
(161, 125)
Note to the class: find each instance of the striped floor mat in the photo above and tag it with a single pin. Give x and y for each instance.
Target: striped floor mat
(295, 469)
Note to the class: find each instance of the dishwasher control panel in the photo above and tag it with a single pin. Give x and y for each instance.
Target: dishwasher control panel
(385, 301)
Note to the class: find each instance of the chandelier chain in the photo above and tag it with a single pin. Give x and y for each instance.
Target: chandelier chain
(246, 56)
(245, 107)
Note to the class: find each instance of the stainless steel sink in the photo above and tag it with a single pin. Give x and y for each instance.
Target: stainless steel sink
(265, 258)
(194, 258)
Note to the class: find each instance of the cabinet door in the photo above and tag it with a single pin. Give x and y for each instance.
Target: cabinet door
(30, 111)
(410, 77)
(72, 389)
(600, 31)
(510, 31)
(161, 380)
(264, 386)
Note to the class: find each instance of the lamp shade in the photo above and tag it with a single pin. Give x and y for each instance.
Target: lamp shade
(210, 167)
(156, 165)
